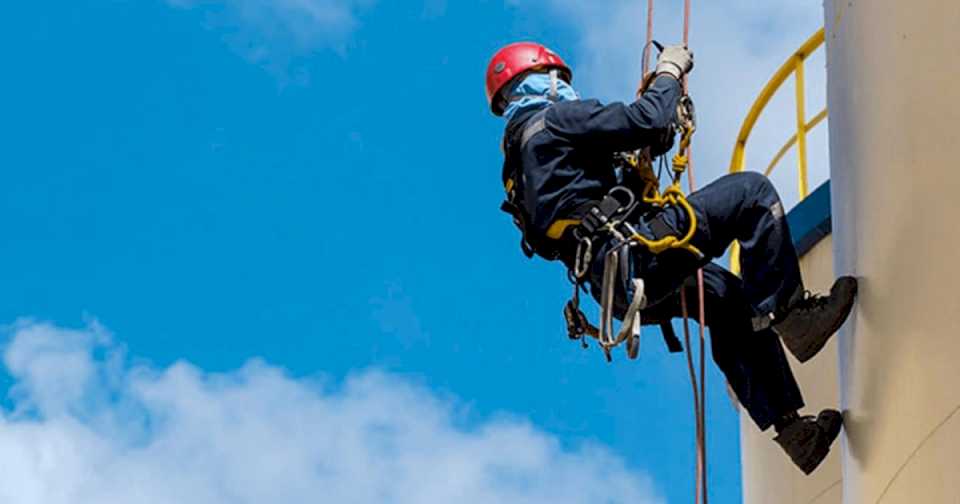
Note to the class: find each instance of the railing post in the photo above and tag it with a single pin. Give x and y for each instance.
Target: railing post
(795, 65)
(801, 126)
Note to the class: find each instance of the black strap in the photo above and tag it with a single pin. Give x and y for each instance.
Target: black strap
(659, 228)
(519, 221)
(670, 337)
(599, 214)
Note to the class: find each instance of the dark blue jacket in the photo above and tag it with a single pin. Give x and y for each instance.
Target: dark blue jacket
(570, 162)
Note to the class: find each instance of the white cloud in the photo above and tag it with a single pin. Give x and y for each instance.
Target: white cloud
(88, 426)
(738, 44)
(273, 32)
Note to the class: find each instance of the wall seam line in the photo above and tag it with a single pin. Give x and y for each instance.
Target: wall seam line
(825, 491)
(914, 453)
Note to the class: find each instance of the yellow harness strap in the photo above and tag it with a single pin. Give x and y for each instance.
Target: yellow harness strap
(560, 226)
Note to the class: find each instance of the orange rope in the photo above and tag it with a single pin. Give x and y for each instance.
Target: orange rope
(699, 393)
(648, 46)
(699, 397)
(696, 392)
(702, 406)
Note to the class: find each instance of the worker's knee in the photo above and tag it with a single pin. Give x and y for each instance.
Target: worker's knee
(758, 191)
(755, 182)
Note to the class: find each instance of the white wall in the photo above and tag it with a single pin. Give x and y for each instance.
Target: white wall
(894, 98)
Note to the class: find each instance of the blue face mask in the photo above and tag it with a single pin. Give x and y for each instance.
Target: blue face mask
(533, 92)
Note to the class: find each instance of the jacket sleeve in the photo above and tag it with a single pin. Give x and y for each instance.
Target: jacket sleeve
(621, 127)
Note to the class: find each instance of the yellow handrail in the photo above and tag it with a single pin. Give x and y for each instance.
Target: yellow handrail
(817, 119)
(795, 66)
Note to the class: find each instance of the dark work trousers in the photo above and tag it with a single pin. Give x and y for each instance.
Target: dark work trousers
(743, 207)
(752, 361)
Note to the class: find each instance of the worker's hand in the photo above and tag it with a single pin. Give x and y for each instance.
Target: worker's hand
(675, 61)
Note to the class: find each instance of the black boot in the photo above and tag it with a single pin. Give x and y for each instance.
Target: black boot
(810, 320)
(807, 440)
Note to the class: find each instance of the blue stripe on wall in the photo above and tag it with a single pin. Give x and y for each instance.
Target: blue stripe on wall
(810, 220)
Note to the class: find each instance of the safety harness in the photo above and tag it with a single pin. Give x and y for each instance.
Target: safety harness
(608, 220)
(513, 186)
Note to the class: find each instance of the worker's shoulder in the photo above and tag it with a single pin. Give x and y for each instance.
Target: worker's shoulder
(574, 107)
(569, 113)
(578, 109)
(574, 118)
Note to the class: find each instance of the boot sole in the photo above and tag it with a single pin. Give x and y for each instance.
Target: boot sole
(816, 458)
(821, 452)
(805, 353)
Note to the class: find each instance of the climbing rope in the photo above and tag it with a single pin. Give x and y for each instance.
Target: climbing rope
(683, 161)
(648, 46)
(701, 409)
(613, 222)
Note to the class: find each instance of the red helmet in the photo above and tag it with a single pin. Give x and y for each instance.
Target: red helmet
(514, 60)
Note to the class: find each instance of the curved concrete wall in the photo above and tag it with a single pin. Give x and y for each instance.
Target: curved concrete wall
(894, 98)
(768, 475)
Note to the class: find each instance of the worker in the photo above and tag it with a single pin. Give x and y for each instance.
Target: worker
(558, 171)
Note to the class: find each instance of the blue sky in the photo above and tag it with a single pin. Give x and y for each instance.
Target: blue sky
(313, 184)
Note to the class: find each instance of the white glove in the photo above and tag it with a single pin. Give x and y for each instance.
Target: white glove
(675, 61)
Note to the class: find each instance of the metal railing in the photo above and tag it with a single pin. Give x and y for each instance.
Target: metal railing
(795, 65)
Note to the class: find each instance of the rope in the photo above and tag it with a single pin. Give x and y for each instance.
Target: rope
(648, 46)
(701, 410)
(697, 402)
(699, 393)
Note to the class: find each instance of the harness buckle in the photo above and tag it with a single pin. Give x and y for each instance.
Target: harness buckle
(687, 115)
(608, 213)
